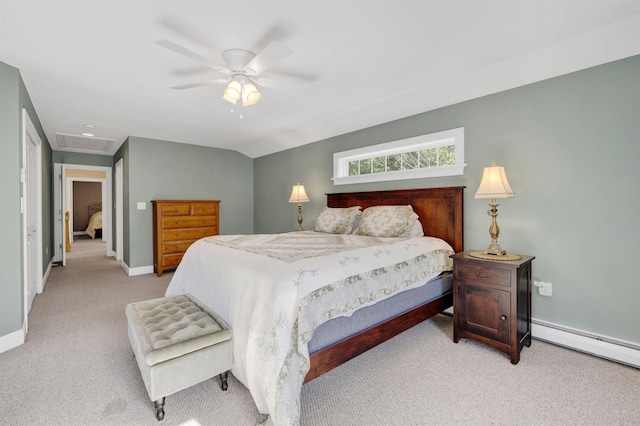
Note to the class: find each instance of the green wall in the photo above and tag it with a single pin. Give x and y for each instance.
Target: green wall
(83, 159)
(11, 302)
(571, 151)
(14, 97)
(156, 170)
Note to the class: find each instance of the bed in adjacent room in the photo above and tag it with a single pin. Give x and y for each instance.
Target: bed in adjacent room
(302, 303)
(94, 227)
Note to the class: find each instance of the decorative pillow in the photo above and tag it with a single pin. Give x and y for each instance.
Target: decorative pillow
(335, 220)
(416, 230)
(387, 221)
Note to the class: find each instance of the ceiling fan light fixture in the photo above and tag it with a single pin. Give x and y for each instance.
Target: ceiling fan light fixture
(233, 92)
(250, 95)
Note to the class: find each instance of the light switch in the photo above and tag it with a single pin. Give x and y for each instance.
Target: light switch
(142, 205)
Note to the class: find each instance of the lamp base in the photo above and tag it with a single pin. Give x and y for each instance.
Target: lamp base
(490, 256)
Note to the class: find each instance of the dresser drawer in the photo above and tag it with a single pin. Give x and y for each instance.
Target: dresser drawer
(171, 260)
(483, 274)
(204, 209)
(188, 222)
(175, 209)
(188, 234)
(176, 247)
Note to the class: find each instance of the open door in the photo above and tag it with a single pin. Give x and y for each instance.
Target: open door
(31, 176)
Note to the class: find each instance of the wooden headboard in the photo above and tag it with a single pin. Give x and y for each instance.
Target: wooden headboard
(440, 210)
(94, 208)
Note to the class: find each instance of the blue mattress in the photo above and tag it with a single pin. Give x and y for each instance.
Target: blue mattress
(341, 328)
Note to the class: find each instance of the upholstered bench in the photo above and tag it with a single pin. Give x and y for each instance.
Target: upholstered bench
(178, 342)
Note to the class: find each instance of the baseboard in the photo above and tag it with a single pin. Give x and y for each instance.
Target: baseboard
(609, 348)
(13, 340)
(46, 275)
(140, 270)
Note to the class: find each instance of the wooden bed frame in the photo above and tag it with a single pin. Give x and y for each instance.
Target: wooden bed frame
(440, 211)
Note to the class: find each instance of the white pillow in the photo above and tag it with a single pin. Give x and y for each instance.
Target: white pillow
(337, 220)
(387, 221)
(416, 230)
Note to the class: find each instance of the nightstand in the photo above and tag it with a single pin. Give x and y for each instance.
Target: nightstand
(492, 302)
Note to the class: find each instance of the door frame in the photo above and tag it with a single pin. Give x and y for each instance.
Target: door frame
(106, 201)
(30, 135)
(119, 210)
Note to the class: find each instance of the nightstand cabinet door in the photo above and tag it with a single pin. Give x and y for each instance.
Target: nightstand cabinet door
(485, 311)
(492, 302)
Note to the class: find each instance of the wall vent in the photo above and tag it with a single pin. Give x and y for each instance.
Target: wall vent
(84, 143)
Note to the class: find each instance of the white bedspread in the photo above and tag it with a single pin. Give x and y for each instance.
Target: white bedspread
(275, 290)
(95, 222)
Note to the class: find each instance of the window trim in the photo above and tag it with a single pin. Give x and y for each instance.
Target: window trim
(432, 140)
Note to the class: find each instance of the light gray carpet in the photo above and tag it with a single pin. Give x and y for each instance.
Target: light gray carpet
(77, 368)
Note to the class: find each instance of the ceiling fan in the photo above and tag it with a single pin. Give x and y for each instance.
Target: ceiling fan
(242, 69)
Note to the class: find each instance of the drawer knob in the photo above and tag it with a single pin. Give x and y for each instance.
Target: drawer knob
(503, 317)
(480, 277)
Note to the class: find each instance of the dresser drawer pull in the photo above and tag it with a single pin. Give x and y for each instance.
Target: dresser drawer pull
(486, 277)
(503, 317)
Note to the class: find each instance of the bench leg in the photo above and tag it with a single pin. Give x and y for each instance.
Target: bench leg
(159, 404)
(223, 380)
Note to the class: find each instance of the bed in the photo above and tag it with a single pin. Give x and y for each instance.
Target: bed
(94, 228)
(284, 304)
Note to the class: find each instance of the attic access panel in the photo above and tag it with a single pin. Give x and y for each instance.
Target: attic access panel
(84, 143)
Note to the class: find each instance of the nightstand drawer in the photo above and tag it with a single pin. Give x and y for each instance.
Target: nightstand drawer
(480, 274)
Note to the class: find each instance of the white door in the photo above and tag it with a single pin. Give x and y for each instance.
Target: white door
(58, 247)
(32, 223)
(119, 211)
(32, 219)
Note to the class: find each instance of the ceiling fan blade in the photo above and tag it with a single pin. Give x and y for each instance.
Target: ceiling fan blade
(280, 84)
(168, 44)
(201, 83)
(273, 53)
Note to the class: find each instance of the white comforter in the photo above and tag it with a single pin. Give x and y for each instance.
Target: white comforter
(95, 222)
(275, 290)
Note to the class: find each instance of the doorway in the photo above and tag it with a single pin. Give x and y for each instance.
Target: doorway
(66, 175)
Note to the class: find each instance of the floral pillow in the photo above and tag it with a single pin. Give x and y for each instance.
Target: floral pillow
(335, 220)
(387, 221)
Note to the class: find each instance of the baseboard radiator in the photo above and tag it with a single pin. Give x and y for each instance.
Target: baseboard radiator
(617, 350)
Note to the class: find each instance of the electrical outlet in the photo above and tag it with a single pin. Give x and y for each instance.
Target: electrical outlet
(544, 288)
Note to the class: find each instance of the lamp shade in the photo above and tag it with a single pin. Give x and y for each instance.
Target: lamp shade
(250, 95)
(298, 194)
(233, 92)
(494, 183)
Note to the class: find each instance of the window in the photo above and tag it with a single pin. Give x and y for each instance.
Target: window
(432, 155)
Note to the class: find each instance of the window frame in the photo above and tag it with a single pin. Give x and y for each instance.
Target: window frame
(417, 143)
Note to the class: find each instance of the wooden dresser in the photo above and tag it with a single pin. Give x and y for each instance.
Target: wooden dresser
(179, 223)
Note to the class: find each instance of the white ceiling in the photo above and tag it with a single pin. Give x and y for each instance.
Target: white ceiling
(97, 62)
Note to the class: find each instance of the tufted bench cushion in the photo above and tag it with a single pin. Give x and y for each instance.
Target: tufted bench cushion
(178, 342)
